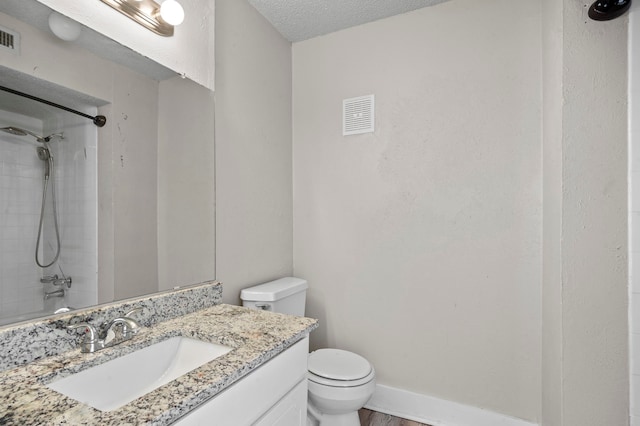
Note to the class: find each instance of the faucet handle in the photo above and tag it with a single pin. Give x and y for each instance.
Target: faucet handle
(130, 325)
(133, 311)
(134, 325)
(91, 333)
(90, 343)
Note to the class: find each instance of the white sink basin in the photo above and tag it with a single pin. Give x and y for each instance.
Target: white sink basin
(115, 383)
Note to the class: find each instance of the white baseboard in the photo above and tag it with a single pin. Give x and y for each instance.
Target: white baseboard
(434, 411)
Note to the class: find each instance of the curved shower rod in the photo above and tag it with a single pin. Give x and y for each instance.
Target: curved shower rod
(98, 120)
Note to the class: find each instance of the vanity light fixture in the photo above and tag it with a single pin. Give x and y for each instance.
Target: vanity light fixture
(171, 12)
(159, 18)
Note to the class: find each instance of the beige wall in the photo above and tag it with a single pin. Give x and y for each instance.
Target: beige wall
(158, 152)
(186, 184)
(595, 381)
(253, 149)
(422, 242)
(551, 408)
(129, 153)
(584, 347)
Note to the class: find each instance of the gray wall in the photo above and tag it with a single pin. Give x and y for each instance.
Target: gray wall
(253, 149)
(422, 241)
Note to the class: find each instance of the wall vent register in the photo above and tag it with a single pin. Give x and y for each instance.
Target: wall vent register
(358, 115)
(9, 40)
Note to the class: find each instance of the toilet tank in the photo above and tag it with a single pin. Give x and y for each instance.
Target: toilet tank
(286, 295)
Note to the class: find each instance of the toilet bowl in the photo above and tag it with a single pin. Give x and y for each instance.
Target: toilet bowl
(339, 382)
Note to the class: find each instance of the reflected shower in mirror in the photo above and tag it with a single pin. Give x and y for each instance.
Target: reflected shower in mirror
(134, 200)
(48, 214)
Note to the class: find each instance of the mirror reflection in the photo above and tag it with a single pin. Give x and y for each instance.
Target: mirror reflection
(48, 216)
(89, 215)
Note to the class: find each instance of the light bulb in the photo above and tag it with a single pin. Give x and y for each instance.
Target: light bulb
(171, 12)
(64, 28)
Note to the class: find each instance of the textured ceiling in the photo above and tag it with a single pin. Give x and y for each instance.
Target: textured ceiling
(299, 20)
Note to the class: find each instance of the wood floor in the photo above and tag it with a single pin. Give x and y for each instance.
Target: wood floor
(373, 418)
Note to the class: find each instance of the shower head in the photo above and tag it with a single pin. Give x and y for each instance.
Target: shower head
(14, 131)
(21, 132)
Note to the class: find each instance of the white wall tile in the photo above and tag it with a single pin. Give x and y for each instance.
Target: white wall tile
(20, 196)
(18, 185)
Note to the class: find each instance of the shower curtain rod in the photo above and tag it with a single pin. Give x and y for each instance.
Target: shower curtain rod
(98, 120)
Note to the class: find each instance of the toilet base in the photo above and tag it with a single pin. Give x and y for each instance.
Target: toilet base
(347, 419)
(338, 406)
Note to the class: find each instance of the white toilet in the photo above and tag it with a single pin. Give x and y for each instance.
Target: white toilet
(339, 382)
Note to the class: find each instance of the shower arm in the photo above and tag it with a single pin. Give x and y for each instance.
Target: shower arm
(98, 120)
(39, 138)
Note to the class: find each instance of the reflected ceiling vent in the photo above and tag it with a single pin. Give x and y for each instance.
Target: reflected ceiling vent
(9, 40)
(358, 115)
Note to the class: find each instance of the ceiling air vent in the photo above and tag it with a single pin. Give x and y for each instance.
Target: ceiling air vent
(358, 115)
(9, 40)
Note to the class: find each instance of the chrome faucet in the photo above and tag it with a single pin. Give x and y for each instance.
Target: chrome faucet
(48, 278)
(118, 330)
(63, 281)
(55, 280)
(55, 293)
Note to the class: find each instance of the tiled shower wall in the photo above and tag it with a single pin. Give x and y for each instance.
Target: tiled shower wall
(75, 159)
(20, 196)
(20, 189)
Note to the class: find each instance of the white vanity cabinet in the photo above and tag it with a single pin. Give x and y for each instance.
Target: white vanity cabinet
(274, 394)
(291, 410)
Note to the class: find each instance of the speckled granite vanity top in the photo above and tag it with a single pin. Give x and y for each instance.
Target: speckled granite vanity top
(255, 337)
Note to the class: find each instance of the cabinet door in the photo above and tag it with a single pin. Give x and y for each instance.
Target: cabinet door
(291, 410)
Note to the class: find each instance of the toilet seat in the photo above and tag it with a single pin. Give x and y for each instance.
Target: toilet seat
(339, 368)
(340, 383)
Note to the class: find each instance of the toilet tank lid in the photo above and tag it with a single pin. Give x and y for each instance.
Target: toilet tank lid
(274, 290)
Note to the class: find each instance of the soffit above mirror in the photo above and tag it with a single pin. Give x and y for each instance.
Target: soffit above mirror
(299, 20)
(189, 52)
(36, 14)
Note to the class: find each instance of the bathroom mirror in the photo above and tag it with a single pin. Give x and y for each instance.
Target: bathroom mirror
(134, 200)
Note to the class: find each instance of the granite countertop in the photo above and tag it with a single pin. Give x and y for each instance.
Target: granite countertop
(255, 337)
